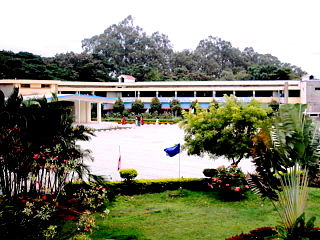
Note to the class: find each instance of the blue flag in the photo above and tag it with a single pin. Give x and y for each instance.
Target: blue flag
(172, 151)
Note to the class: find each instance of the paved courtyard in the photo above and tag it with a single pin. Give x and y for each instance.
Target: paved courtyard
(142, 148)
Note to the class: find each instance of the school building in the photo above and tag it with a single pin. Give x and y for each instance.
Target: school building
(83, 94)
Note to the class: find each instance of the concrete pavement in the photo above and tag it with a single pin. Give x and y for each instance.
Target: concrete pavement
(142, 148)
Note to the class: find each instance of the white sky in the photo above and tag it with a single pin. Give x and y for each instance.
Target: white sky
(287, 29)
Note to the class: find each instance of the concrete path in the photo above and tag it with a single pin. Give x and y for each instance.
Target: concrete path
(142, 148)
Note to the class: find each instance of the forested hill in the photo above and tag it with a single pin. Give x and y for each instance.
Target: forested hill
(124, 48)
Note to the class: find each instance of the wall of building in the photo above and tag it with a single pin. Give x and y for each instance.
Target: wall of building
(7, 89)
(310, 94)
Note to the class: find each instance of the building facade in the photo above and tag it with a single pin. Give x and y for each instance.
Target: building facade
(282, 91)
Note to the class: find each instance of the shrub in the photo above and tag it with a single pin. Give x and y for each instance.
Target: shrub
(256, 234)
(209, 172)
(157, 185)
(128, 174)
(229, 182)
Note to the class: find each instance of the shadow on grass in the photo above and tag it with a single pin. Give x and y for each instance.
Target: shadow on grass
(107, 233)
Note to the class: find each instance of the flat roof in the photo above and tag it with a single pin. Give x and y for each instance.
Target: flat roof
(73, 98)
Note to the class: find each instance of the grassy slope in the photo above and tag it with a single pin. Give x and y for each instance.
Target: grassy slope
(195, 215)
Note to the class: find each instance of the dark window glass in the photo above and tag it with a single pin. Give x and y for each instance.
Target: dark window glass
(25, 85)
(129, 94)
(244, 93)
(147, 94)
(204, 93)
(221, 93)
(294, 93)
(264, 94)
(166, 94)
(185, 94)
(100, 93)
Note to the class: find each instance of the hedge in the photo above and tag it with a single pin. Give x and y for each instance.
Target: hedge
(157, 185)
(146, 121)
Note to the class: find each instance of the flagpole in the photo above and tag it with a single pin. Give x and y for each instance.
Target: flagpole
(179, 164)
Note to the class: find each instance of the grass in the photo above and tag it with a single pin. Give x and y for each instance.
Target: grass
(184, 215)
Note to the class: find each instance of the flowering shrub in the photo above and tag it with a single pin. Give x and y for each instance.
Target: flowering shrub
(262, 233)
(86, 222)
(229, 182)
(27, 219)
(92, 196)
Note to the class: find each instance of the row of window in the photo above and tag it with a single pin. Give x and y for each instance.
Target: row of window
(42, 85)
(292, 93)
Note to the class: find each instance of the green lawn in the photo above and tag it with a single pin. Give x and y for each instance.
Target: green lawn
(193, 215)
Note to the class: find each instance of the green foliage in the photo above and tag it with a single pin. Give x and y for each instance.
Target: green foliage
(155, 105)
(209, 172)
(128, 174)
(118, 106)
(274, 105)
(229, 182)
(137, 106)
(175, 107)
(279, 151)
(27, 219)
(224, 131)
(290, 138)
(300, 230)
(37, 159)
(269, 72)
(157, 185)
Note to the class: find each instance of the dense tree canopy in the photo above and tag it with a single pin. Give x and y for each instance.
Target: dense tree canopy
(225, 130)
(125, 48)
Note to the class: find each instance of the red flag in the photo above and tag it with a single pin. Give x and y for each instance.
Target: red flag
(119, 163)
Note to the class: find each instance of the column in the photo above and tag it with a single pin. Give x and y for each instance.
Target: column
(88, 112)
(286, 92)
(99, 112)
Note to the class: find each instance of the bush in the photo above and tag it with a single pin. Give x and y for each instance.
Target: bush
(157, 185)
(209, 172)
(128, 174)
(256, 234)
(229, 182)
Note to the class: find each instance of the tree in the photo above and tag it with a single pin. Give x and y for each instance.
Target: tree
(225, 131)
(118, 106)
(175, 107)
(269, 72)
(137, 106)
(34, 155)
(155, 105)
(286, 152)
(126, 44)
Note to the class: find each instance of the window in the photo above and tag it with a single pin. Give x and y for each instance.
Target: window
(166, 94)
(129, 94)
(45, 85)
(25, 85)
(264, 93)
(244, 93)
(147, 94)
(294, 93)
(221, 93)
(185, 94)
(204, 93)
(100, 93)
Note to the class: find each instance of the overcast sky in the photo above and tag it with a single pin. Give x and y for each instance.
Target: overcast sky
(287, 29)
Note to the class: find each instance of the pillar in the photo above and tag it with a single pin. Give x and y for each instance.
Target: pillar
(88, 112)
(99, 112)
